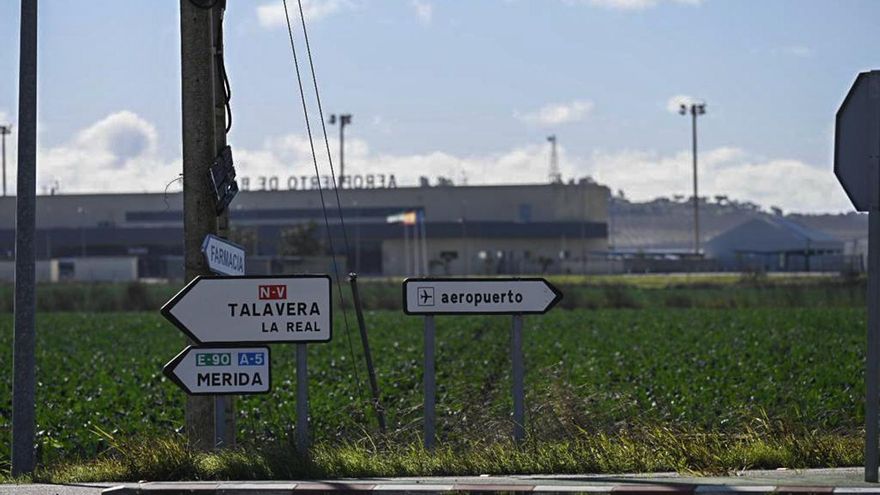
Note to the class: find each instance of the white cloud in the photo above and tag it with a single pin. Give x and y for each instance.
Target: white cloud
(787, 183)
(116, 154)
(271, 15)
(557, 113)
(631, 4)
(119, 154)
(424, 11)
(799, 51)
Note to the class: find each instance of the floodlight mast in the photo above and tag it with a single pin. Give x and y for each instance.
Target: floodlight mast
(695, 109)
(554, 175)
(344, 120)
(4, 131)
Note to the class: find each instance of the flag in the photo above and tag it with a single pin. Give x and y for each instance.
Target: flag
(406, 218)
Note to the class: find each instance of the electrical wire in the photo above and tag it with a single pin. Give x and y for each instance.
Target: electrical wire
(221, 65)
(323, 202)
(324, 129)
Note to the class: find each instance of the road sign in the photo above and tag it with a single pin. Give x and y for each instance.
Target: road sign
(291, 308)
(221, 370)
(440, 296)
(856, 139)
(223, 257)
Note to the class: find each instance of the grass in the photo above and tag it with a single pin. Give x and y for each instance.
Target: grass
(646, 450)
(645, 382)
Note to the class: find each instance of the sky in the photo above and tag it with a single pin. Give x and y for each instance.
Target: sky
(464, 89)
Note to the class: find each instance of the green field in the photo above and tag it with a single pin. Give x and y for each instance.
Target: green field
(627, 372)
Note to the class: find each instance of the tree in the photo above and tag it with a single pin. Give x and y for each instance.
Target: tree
(301, 240)
(245, 237)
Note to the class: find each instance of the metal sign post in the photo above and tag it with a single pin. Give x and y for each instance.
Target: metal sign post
(302, 399)
(872, 359)
(518, 379)
(429, 383)
(487, 296)
(24, 339)
(857, 167)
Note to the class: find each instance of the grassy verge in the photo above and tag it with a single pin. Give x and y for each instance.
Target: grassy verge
(726, 290)
(648, 449)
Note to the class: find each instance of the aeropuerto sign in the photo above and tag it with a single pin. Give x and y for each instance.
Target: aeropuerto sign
(221, 370)
(437, 296)
(228, 310)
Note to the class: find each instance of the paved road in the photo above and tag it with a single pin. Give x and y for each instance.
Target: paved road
(843, 481)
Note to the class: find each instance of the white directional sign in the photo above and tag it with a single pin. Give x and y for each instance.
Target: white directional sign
(293, 308)
(438, 296)
(223, 257)
(857, 140)
(221, 370)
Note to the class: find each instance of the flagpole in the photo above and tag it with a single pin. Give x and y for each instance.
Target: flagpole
(406, 271)
(421, 217)
(417, 262)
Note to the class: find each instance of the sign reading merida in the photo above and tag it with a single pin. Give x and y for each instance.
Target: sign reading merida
(214, 310)
(221, 370)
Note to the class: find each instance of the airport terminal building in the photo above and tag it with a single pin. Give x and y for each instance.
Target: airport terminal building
(391, 231)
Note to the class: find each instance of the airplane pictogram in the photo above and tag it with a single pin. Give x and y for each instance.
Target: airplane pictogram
(426, 296)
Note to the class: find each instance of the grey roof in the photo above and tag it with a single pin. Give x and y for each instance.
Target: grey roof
(775, 234)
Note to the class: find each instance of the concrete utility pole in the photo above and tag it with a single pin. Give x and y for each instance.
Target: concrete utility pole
(224, 405)
(199, 145)
(4, 131)
(344, 120)
(694, 109)
(24, 337)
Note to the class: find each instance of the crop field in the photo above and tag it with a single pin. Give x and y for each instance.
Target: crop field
(795, 370)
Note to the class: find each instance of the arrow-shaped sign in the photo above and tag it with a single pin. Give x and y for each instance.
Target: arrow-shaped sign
(223, 257)
(439, 296)
(231, 310)
(221, 370)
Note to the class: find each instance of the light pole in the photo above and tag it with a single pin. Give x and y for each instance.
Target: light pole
(344, 120)
(554, 175)
(4, 130)
(694, 109)
(81, 211)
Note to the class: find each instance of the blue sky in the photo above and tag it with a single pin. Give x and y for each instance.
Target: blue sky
(465, 89)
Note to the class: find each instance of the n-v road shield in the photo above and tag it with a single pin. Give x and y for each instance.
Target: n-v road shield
(439, 296)
(226, 310)
(221, 370)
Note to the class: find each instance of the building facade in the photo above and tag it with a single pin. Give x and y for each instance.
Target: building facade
(460, 230)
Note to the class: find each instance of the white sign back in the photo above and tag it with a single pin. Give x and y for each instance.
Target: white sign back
(856, 140)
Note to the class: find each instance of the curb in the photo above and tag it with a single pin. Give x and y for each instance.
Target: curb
(239, 488)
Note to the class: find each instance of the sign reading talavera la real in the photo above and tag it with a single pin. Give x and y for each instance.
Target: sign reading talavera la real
(228, 310)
